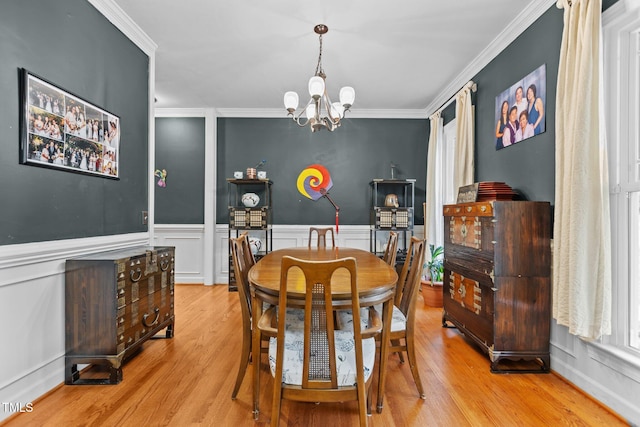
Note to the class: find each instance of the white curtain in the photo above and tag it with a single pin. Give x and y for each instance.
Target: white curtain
(582, 238)
(463, 167)
(433, 208)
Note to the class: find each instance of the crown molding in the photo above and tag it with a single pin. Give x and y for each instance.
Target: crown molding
(276, 113)
(114, 13)
(524, 20)
(183, 112)
(619, 10)
(521, 23)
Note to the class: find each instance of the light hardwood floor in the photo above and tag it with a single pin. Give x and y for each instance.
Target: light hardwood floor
(188, 380)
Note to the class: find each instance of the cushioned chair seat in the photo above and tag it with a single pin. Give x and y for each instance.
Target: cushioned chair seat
(295, 318)
(345, 357)
(345, 319)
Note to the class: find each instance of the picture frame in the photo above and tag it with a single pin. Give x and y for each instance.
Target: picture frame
(60, 130)
(520, 109)
(468, 193)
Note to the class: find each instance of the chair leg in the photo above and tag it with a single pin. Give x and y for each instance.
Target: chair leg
(276, 405)
(411, 355)
(362, 406)
(396, 343)
(244, 362)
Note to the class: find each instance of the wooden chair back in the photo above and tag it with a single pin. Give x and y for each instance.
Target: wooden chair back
(391, 251)
(319, 373)
(241, 267)
(242, 260)
(250, 260)
(409, 280)
(403, 338)
(321, 233)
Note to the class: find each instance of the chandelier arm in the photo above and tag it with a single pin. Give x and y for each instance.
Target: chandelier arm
(329, 124)
(296, 118)
(297, 121)
(327, 106)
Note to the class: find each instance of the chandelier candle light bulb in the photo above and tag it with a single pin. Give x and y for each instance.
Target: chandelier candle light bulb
(320, 111)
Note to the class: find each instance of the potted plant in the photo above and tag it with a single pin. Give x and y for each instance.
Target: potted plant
(431, 285)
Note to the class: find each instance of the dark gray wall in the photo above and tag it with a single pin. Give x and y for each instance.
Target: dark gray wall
(354, 154)
(528, 166)
(363, 148)
(69, 43)
(180, 147)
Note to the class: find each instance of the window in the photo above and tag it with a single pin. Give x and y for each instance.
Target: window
(622, 105)
(445, 193)
(450, 194)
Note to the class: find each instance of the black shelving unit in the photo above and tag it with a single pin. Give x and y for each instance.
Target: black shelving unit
(256, 220)
(391, 218)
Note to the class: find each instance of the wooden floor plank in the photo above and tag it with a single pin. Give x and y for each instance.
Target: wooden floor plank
(187, 380)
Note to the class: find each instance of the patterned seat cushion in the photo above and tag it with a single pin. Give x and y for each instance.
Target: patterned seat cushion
(345, 318)
(295, 318)
(345, 357)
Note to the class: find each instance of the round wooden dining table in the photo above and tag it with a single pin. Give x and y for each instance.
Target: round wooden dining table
(376, 285)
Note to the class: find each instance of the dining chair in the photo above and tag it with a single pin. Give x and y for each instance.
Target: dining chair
(391, 250)
(241, 267)
(321, 233)
(319, 363)
(249, 258)
(403, 320)
(402, 328)
(243, 260)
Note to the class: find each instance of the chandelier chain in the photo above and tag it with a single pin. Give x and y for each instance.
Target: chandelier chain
(319, 70)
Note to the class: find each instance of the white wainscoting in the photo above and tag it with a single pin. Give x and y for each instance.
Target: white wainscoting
(189, 242)
(285, 236)
(32, 312)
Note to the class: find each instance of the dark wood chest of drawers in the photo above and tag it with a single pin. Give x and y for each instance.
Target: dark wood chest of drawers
(497, 279)
(115, 301)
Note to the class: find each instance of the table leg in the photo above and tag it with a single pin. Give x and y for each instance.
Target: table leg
(387, 313)
(255, 354)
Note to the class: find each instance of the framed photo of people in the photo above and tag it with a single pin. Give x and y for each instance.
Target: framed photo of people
(520, 109)
(62, 131)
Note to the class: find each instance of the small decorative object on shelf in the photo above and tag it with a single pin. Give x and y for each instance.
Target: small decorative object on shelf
(253, 173)
(255, 244)
(391, 201)
(391, 210)
(238, 174)
(250, 200)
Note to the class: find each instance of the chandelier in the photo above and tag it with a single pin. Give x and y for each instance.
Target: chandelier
(320, 111)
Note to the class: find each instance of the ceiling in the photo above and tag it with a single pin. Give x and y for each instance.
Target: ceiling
(244, 55)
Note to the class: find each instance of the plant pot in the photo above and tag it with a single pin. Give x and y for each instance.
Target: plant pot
(431, 293)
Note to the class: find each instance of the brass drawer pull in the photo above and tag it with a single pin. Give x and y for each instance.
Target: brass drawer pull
(164, 264)
(135, 275)
(156, 310)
